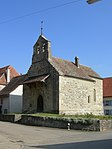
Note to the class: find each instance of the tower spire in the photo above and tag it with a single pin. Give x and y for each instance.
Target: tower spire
(41, 27)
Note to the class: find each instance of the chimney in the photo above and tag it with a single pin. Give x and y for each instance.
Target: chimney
(77, 61)
(8, 75)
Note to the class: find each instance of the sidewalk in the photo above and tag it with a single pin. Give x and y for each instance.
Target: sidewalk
(6, 143)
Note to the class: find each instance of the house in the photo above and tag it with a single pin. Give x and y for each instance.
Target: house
(11, 96)
(107, 95)
(6, 74)
(59, 86)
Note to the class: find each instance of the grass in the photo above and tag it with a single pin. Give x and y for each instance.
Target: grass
(88, 116)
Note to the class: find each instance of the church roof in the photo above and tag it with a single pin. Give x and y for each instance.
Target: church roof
(67, 68)
(13, 84)
(36, 79)
(107, 87)
(3, 74)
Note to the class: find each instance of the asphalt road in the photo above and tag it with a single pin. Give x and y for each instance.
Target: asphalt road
(14, 136)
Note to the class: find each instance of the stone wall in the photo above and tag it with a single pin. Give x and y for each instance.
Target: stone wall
(105, 125)
(76, 124)
(7, 118)
(65, 123)
(49, 90)
(78, 96)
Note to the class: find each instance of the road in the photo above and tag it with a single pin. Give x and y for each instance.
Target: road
(14, 136)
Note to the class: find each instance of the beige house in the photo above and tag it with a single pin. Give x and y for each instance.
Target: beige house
(60, 86)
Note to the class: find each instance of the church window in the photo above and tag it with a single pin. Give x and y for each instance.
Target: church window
(89, 99)
(38, 49)
(43, 47)
(94, 95)
(30, 105)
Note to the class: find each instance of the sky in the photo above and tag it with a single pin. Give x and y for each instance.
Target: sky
(73, 27)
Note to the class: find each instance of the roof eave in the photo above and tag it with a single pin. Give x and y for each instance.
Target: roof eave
(96, 77)
(4, 95)
(107, 96)
(78, 78)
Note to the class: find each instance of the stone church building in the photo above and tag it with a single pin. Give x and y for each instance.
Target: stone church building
(59, 86)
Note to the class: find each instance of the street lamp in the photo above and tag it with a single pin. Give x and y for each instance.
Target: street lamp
(92, 1)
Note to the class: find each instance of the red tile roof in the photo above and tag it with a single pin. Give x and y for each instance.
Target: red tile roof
(3, 74)
(107, 87)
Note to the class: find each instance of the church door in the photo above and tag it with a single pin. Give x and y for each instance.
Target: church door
(40, 104)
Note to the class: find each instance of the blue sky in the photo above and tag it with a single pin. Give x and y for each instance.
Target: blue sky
(76, 29)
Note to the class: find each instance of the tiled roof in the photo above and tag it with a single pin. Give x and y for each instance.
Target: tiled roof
(13, 84)
(67, 68)
(107, 87)
(3, 74)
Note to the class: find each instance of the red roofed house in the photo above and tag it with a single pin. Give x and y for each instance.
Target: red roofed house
(107, 95)
(12, 95)
(6, 75)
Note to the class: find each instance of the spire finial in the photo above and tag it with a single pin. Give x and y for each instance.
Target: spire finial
(41, 27)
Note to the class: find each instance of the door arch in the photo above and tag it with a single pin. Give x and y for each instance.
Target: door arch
(40, 104)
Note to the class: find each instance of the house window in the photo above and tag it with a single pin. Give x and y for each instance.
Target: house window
(108, 112)
(89, 99)
(107, 102)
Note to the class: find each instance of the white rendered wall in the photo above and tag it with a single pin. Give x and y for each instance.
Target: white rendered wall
(1, 87)
(108, 106)
(16, 100)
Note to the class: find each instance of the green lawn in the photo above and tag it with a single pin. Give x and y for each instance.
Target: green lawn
(71, 116)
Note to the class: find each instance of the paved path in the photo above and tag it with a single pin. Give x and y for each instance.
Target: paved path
(14, 136)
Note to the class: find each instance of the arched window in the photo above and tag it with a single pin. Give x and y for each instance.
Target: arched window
(89, 99)
(94, 95)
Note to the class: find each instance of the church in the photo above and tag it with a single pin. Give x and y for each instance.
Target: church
(59, 86)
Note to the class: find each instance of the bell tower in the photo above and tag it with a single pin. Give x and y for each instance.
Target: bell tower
(41, 50)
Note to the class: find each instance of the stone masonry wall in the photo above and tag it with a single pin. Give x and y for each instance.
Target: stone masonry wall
(49, 92)
(78, 96)
(49, 89)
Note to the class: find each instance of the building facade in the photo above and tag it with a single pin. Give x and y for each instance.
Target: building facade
(6, 74)
(11, 96)
(60, 86)
(107, 95)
